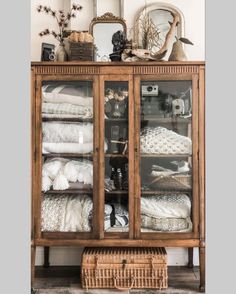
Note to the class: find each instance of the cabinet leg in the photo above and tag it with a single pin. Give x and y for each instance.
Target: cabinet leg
(33, 252)
(46, 257)
(202, 268)
(190, 257)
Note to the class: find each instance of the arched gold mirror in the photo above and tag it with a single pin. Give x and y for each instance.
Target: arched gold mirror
(102, 28)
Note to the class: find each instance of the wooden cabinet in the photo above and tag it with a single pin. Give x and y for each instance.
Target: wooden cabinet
(124, 143)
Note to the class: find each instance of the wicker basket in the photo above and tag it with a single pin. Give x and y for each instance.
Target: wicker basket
(124, 268)
(174, 182)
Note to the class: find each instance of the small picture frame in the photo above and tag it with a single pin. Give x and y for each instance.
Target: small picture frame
(47, 52)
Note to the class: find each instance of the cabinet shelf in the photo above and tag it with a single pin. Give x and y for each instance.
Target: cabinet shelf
(116, 120)
(155, 192)
(117, 192)
(68, 155)
(69, 191)
(116, 155)
(165, 155)
(167, 120)
(72, 119)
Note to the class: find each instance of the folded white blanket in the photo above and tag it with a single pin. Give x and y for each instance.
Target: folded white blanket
(160, 140)
(166, 206)
(67, 132)
(67, 148)
(66, 94)
(53, 115)
(66, 108)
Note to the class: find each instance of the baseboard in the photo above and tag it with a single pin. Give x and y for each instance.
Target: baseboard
(64, 256)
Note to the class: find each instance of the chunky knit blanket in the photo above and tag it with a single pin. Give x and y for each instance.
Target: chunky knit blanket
(166, 206)
(160, 140)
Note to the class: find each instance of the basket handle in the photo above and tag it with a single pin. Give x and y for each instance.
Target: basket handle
(123, 288)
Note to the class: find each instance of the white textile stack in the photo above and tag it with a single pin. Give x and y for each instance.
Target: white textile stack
(67, 137)
(166, 213)
(65, 101)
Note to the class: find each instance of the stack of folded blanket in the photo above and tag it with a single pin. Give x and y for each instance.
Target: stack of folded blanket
(166, 213)
(65, 101)
(62, 174)
(160, 140)
(67, 137)
(65, 213)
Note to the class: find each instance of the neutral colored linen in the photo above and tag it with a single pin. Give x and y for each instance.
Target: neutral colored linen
(67, 132)
(59, 172)
(65, 213)
(66, 94)
(66, 108)
(67, 148)
(166, 224)
(159, 140)
(166, 206)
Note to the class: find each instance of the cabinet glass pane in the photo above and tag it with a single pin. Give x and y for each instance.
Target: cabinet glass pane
(166, 156)
(116, 157)
(67, 156)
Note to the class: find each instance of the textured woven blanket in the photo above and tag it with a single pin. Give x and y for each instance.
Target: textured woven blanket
(160, 140)
(166, 224)
(166, 206)
(65, 213)
(66, 108)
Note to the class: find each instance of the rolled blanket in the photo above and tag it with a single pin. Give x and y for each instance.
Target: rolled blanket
(66, 108)
(67, 133)
(166, 224)
(166, 206)
(159, 140)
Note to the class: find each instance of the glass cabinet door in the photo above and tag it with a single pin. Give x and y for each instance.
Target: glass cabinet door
(166, 164)
(116, 156)
(67, 112)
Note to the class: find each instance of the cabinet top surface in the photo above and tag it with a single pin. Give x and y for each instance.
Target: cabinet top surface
(94, 63)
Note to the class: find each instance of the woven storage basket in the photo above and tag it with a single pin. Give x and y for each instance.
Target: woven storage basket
(124, 268)
(174, 182)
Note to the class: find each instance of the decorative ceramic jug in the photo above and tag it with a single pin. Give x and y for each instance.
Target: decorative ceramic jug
(61, 54)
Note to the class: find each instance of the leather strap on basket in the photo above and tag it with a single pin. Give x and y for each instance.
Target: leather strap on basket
(124, 288)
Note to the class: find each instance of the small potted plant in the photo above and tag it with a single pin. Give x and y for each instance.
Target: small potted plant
(62, 18)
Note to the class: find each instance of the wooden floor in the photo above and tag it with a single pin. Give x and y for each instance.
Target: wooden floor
(66, 280)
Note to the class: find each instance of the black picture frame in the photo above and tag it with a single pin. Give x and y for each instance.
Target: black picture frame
(46, 51)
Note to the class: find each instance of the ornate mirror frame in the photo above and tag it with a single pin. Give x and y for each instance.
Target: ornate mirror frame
(160, 6)
(108, 17)
(121, 8)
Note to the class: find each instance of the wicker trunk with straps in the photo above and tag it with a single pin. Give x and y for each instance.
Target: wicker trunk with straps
(124, 268)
